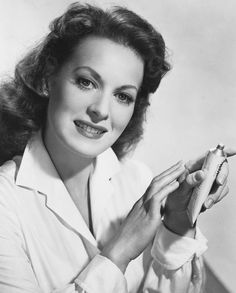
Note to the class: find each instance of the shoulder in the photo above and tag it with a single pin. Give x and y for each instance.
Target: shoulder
(8, 172)
(9, 222)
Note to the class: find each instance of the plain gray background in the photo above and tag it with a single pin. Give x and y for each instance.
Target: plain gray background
(195, 106)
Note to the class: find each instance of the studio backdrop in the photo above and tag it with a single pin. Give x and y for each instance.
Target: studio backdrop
(195, 106)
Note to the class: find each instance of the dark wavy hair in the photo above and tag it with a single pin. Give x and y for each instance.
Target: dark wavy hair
(23, 99)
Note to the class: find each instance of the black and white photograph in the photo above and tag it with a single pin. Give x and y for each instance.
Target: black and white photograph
(117, 146)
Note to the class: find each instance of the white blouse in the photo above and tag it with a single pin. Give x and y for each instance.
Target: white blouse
(46, 246)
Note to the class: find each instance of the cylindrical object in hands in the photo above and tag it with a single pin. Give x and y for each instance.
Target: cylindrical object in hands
(211, 167)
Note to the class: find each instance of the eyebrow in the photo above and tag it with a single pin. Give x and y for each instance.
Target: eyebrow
(98, 77)
(93, 72)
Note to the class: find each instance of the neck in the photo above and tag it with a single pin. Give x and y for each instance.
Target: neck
(73, 169)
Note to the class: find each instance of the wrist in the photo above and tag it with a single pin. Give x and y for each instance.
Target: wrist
(178, 223)
(116, 256)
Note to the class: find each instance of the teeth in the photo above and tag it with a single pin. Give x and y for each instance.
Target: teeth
(89, 128)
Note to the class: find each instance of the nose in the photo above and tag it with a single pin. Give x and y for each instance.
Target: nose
(98, 110)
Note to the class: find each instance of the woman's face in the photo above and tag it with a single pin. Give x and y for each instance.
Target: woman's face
(92, 96)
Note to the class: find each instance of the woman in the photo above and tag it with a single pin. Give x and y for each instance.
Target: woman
(75, 216)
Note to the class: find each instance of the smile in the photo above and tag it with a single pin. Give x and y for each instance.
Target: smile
(88, 130)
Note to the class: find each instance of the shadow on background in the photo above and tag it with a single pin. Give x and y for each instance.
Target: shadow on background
(213, 284)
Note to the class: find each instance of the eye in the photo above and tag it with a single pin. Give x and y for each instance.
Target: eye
(85, 84)
(125, 98)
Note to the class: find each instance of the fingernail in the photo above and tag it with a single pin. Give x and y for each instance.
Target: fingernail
(199, 176)
(209, 203)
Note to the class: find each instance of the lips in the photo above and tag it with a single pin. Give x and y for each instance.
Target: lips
(90, 130)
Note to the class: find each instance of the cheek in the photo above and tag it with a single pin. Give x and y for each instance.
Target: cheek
(122, 118)
(64, 101)
(58, 113)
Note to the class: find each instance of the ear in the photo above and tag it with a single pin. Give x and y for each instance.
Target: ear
(50, 70)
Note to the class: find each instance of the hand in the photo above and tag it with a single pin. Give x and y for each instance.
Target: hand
(175, 217)
(140, 226)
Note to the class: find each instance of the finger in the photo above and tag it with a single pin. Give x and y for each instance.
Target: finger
(167, 176)
(216, 196)
(230, 152)
(172, 176)
(223, 194)
(158, 185)
(223, 174)
(169, 170)
(196, 164)
(195, 178)
(158, 197)
(191, 181)
(183, 176)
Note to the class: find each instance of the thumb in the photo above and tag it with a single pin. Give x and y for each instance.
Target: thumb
(192, 180)
(195, 178)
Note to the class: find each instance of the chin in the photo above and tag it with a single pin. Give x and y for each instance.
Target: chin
(84, 147)
(88, 150)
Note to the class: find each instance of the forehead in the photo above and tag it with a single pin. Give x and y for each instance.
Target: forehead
(109, 59)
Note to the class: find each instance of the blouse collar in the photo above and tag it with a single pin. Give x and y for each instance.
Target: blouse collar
(37, 172)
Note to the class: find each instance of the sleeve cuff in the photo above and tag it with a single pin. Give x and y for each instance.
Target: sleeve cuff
(172, 251)
(101, 275)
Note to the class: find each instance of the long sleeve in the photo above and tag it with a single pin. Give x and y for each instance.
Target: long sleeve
(41, 254)
(17, 275)
(172, 265)
(176, 265)
(170, 269)
(16, 271)
(101, 275)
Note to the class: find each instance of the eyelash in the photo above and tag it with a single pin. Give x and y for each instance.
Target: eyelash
(128, 98)
(81, 80)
